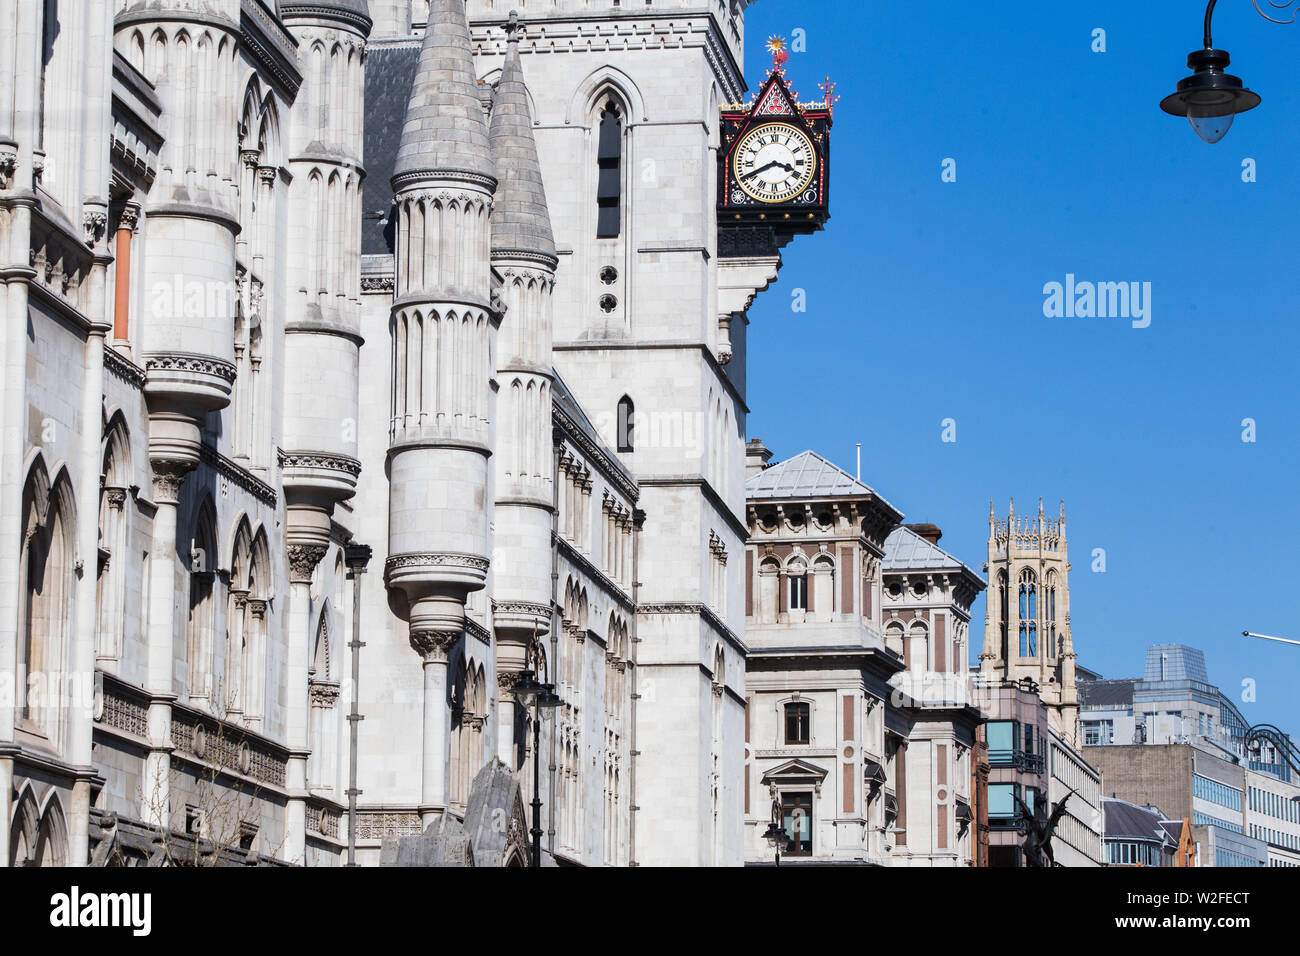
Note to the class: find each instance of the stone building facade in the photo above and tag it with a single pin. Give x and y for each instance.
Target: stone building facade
(283, 276)
(861, 729)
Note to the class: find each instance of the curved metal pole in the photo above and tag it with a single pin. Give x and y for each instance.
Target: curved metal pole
(1209, 16)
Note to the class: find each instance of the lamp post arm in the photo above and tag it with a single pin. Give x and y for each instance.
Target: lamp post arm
(1275, 4)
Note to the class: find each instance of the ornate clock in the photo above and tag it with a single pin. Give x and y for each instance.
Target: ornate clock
(774, 164)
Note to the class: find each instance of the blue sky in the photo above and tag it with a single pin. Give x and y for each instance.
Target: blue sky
(925, 302)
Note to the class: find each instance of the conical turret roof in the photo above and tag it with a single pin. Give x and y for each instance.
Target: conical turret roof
(521, 220)
(445, 130)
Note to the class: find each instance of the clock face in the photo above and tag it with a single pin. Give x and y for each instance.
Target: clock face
(774, 163)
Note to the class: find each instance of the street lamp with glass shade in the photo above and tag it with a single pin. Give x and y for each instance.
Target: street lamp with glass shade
(1210, 98)
(537, 696)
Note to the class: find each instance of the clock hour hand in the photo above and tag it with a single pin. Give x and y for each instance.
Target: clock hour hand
(763, 169)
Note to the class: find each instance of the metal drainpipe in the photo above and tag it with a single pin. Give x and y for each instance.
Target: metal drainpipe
(638, 519)
(358, 557)
(557, 441)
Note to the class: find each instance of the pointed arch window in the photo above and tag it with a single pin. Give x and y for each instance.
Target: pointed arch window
(1004, 605)
(1028, 614)
(626, 424)
(202, 613)
(609, 173)
(1051, 614)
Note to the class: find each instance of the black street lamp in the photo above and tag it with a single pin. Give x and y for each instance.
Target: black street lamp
(1210, 98)
(775, 833)
(540, 696)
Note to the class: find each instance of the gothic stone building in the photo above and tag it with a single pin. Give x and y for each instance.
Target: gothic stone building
(284, 277)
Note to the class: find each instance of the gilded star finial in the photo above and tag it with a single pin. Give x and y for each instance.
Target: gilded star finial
(777, 46)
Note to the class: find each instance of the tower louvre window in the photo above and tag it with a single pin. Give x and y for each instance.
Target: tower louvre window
(1028, 615)
(609, 167)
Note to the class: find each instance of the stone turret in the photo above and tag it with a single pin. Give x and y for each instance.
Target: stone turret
(322, 331)
(523, 253)
(443, 331)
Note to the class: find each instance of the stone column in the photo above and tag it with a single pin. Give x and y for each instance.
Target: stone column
(303, 559)
(435, 646)
(168, 476)
(506, 681)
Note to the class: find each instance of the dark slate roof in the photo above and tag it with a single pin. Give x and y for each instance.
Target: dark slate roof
(390, 71)
(1126, 820)
(445, 129)
(1106, 694)
(520, 220)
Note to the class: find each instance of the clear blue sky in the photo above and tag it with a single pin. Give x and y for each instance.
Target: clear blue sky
(925, 302)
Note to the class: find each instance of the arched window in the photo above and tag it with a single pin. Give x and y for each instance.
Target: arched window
(111, 583)
(202, 615)
(797, 572)
(769, 579)
(1028, 614)
(894, 638)
(47, 606)
(609, 171)
(1004, 604)
(1051, 614)
(918, 651)
(626, 424)
(824, 588)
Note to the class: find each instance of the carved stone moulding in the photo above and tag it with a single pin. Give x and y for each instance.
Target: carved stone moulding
(436, 567)
(332, 474)
(200, 381)
(514, 618)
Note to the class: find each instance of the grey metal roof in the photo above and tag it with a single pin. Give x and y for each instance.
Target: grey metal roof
(1180, 663)
(905, 550)
(445, 129)
(520, 219)
(807, 475)
(1126, 820)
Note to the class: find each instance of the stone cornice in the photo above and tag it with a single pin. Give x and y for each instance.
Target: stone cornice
(706, 614)
(606, 583)
(123, 368)
(640, 30)
(270, 45)
(610, 469)
(237, 475)
(325, 11)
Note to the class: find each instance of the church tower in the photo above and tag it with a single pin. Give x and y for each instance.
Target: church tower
(1027, 622)
(442, 331)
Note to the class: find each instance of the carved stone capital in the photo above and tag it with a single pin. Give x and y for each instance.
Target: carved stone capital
(257, 609)
(323, 693)
(303, 559)
(434, 645)
(168, 476)
(95, 223)
(509, 680)
(116, 498)
(129, 217)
